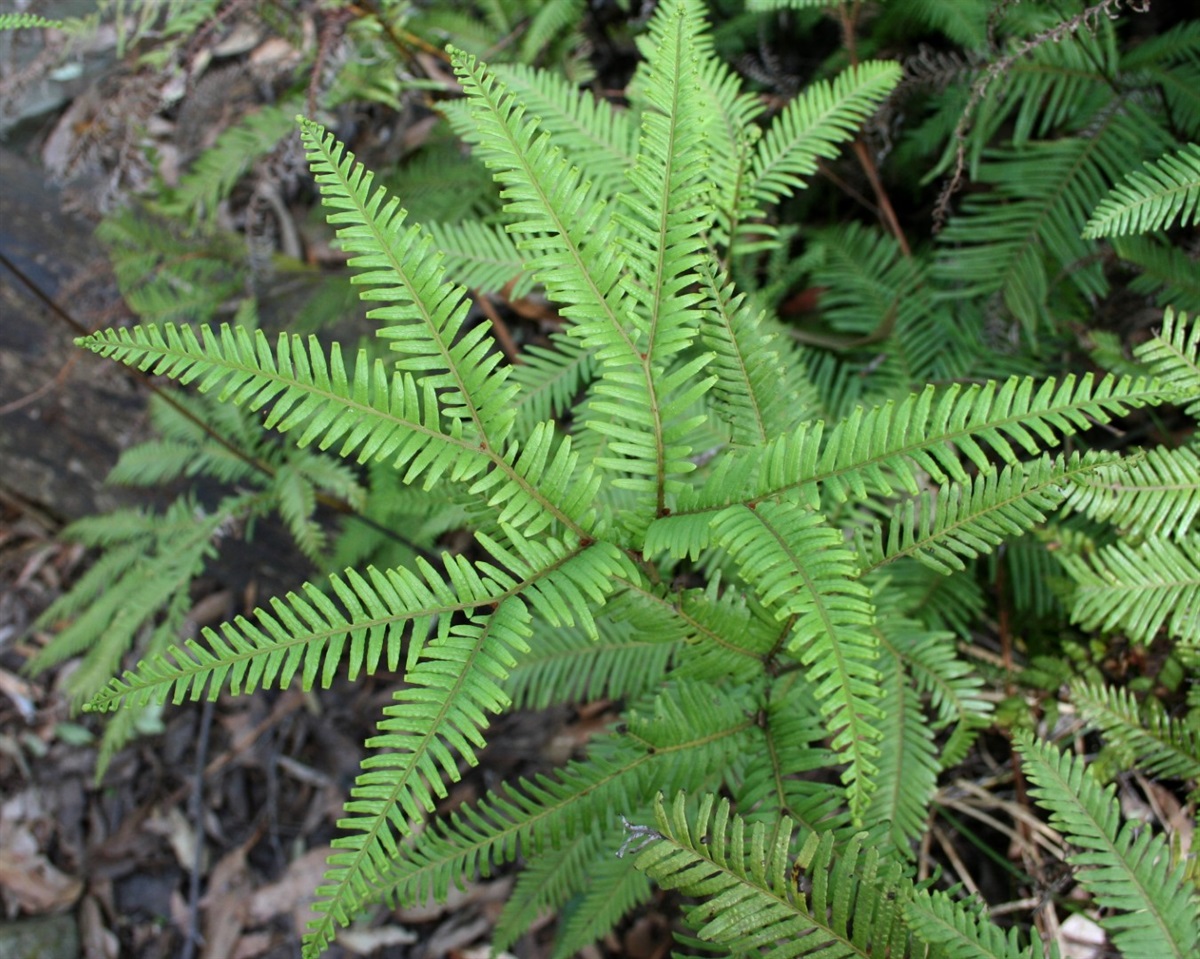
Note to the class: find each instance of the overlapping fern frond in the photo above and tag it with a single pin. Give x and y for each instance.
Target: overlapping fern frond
(1140, 588)
(751, 898)
(1145, 735)
(1165, 190)
(660, 513)
(1129, 871)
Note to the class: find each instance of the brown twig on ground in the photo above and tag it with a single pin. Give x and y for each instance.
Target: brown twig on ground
(503, 335)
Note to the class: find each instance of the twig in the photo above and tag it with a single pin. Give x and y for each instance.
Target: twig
(1056, 34)
(196, 814)
(499, 327)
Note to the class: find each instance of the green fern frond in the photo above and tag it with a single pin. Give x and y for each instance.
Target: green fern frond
(550, 380)
(217, 171)
(1173, 358)
(481, 256)
(894, 446)
(1145, 735)
(823, 115)
(1152, 198)
(1021, 237)
(757, 392)
(1153, 493)
(1168, 273)
(751, 900)
(1126, 868)
(621, 773)
(889, 447)
(615, 887)
(371, 413)
(550, 20)
(955, 690)
(27, 21)
(149, 560)
(436, 719)
(970, 519)
(907, 761)
(806, 577)
(566, 235)
(401, 268)
(591, 131)
(771, 781)
(957, 931)
(167, 274)
(568, 666)
(939, 602)
(1139, 589)
(666, 211)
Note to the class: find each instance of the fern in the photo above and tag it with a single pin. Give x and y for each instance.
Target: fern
(1145, 735)
(1168, 189)
(751, 898)
(1156, 913)
(673, 504)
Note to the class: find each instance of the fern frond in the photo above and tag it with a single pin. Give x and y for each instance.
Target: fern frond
(938, 602)
(771, 781)
(615, 887)
(1126, 868)
(957, 931)
(1168, 273)
(1153, 493)
(1139, 589)
(372, 414)
(970, 519)
(571, 244)
(550, 380)
(889, 447)
(751, 902)
(590, 131)
(1145, 735)
(757, 392)
(568, 666)
(149, 561)
(481, 256)
(436, 719)
(806, 577)
(217, 170)
(907, 761)
(402, 269)
(811, 126)
(568, 239)
(955, 690)
(27, 21)
(1173, 358)
(667, 209)
(550, 19)
(1152, 198)
(1021, 237)
(620, 774)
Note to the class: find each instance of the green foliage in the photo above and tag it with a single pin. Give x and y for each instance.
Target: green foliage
(1168, 189)
(762, 539)
(1126, 869)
